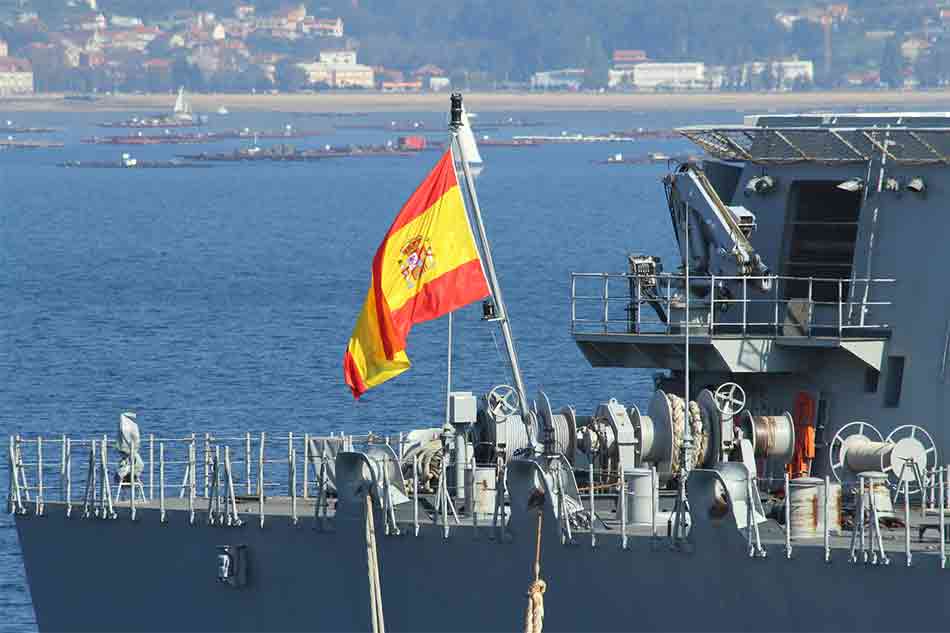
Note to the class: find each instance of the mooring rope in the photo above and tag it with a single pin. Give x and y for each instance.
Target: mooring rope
(534, 614)
(372, 564)
(700, 440)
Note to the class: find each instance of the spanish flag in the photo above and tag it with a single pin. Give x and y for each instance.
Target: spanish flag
(427, 266)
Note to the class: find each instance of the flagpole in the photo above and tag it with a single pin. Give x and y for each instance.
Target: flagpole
(448, 377)
(501, 309)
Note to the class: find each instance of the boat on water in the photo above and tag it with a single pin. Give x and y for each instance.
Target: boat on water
(788, 473)
(11, 143)
(192, 138)
(180, 116)
(127, 161)
(10, 128)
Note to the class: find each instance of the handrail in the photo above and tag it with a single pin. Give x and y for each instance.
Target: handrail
(176, 461)
(723, 305)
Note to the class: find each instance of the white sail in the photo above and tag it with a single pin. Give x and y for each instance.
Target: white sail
(469, 146)
(182, 107)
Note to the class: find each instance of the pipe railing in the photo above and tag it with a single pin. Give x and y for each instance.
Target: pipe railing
(628, 303)
(82, 473)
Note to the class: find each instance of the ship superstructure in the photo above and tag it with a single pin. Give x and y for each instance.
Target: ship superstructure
(787, 473)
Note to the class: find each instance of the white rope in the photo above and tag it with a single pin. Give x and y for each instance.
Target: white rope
(372, 564)
(534, 614)
(700, 438)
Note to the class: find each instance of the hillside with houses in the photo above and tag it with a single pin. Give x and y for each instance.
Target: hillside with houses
(90, 46)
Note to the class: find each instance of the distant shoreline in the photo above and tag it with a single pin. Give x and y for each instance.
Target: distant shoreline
(493, 101)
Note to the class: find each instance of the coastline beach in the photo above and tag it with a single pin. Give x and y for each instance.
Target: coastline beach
(353, 101)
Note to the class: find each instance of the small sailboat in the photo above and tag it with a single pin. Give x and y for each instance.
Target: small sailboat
(182, 110)
(222, 110)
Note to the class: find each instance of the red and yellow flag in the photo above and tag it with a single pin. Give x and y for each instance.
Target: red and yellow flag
(427, 266)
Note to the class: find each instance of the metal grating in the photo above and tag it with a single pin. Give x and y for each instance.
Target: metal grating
(828, 145)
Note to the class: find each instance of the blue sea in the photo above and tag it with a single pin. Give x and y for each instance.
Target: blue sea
(222, 299)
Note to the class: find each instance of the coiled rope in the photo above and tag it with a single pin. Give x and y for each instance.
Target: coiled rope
(700, 438)
(534, 614)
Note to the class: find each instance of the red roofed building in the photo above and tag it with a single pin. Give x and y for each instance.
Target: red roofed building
(324, 27)
(838, 11)
(429, 70)
(627, 58)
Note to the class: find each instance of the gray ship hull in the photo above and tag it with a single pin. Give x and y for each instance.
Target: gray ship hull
(119, 575)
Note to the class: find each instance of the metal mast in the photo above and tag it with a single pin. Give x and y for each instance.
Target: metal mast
(494, 286)
(682, 502)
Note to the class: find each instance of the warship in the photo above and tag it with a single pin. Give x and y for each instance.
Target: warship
(785, 474)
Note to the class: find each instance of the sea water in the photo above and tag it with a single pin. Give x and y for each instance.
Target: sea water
(222, 299)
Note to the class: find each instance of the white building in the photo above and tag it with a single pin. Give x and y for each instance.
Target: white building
(338, 69)
(563, 79)
(124, 22)
(338, 57)
(620, 78)
(786, 72)
(439, 84)
(325, 27)
(676, 75)
(16, 77)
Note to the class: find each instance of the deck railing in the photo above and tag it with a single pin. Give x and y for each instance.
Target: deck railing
(627, 303)
(210, 475)
(212, 472)
(79, 476)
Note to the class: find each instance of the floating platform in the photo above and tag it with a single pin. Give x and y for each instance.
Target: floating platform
(651, 158)
(642, 133)
(28, 144)
(508, 123)
(153, 122)
(13, 129)
(288, 153)
(131, 164)
(195, 138)
(575, 138)
(494, 142)
(392, 126)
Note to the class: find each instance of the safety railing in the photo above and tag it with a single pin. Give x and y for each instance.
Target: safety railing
(775, 305)
(924, 494)
(211, 473)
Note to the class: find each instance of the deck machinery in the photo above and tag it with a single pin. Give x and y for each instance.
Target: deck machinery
(785, 474)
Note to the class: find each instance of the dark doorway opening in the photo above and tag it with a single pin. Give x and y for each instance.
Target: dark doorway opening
(824, 229)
